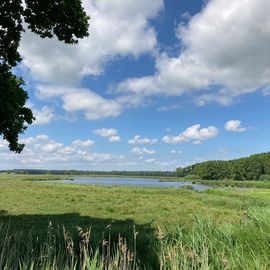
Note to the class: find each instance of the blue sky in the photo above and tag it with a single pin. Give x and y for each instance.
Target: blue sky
(156, 85)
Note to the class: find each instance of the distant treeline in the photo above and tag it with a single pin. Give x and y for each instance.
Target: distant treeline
(255, 167)
(78, 172)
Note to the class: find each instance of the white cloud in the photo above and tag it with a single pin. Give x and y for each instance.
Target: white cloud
(43, 152)
(68, 150)
(110, 133)
(43, 116)
(38, 154)
(33, 140)
(82, 143)
(3, 145)
(143, 150)
(93, 105)
(139, 140)
(31, 161)
(234, 126)
(84, 100)
(49, 147)
(220, 97)
(47, 91)
(194, 133)
(173, 152)
(225, 53)
(74, 99)
(106, 132)
(150, 160)
(114, 138)
(169, 108)
(117, 28)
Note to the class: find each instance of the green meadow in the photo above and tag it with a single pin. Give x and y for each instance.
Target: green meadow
(221, 183)
(163, 228)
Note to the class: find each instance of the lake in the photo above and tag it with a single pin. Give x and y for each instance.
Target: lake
(138, 182)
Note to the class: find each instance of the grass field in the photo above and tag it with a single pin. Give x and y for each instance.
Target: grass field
(222, 183)
(30, 206)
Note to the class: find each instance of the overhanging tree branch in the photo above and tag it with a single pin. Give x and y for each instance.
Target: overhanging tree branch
(65, 19)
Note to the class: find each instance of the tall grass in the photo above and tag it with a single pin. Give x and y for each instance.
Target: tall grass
(59, 251)
(208, 245)
(205, 245)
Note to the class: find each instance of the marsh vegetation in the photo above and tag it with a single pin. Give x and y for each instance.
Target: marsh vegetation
(56, 226)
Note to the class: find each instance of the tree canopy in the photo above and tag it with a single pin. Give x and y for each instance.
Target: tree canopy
(255, 167)
(65, 19)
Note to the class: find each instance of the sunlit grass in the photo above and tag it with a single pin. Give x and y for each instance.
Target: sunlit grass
(160, 206)
(208, 245)
(204, 245)
(29, 207)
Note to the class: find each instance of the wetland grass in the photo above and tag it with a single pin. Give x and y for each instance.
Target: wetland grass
(219, 228)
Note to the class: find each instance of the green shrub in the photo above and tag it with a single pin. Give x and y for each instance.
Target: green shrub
(191, 177)
(187, 187)
(265, 177)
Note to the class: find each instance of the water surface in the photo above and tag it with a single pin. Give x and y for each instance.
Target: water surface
(137, 182)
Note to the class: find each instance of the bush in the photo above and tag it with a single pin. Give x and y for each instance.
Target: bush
(187, 187)
(191, 177)
(265, 177)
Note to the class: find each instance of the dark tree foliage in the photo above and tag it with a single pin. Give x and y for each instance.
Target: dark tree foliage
(13, 114)
(101, 173)
(243, 169)
(65, 19)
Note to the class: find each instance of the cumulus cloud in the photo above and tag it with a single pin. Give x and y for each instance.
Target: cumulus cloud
(43, 152)
(197, 142)
(74, 99)
(225, 53)
(43, 116)
(194, 133)
(173, 151)
(234, 126)
(150, 160)
(33, 140)
(82, 143)
(106, 132)
(3, 145)
(143, 150)
(139, 140)
(110, 133)
(49, 147)
(117, 28)
(114, 138)
(169, 108)
(94, 106)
